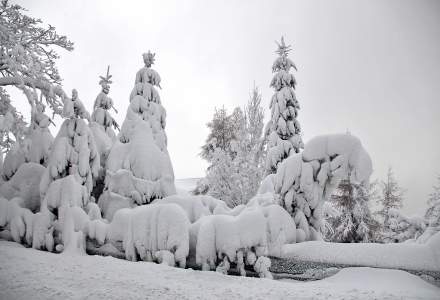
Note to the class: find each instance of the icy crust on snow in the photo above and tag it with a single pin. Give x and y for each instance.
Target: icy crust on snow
(410, 256)
(25, 184)
(304, 181)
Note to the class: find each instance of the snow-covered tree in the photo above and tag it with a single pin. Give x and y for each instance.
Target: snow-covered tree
(101, 108)
(221, 134)
(237, 168)
(283, 130)
(305, 181)
(254, 115)
(31, 146)
(28, 56)
(391, 198)
(432, 214)
(74, 151)
(354, 223)
(11, 122)
(138, 166)
(101, 125)
(219, 176)
(67, 182)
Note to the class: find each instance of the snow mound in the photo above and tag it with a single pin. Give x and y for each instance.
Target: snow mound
(225, 237)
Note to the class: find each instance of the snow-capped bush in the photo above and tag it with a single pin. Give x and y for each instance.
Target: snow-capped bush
(306, 180)
(223, 209)
(194, 207)
(156, 227)
(17, 219)
(65, 192)
(402, 228)
(75, 222)
(281, 228)
(223, 236)
(42, 231)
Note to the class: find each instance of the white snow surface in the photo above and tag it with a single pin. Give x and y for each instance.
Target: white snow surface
(31, 274)
(410, 256)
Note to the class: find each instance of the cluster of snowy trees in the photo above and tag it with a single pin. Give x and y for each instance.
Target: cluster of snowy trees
(301, 182)
(93, 189)
(354, 221)
(235, 150)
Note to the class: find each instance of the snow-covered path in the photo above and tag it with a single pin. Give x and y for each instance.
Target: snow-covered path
(30, 274)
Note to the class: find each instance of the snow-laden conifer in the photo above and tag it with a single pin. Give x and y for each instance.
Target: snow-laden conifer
(283, 130)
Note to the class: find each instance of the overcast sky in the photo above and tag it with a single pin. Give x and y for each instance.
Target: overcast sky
(370, 67)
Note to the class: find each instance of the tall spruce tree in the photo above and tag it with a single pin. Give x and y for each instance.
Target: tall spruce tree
(283, 130)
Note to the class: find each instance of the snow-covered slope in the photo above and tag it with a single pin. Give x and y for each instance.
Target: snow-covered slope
(30, 274)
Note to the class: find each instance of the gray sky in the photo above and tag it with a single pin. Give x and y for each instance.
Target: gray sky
(370, 67)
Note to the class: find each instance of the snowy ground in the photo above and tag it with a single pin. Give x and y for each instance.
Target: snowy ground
(30, 274)
(410, 256)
